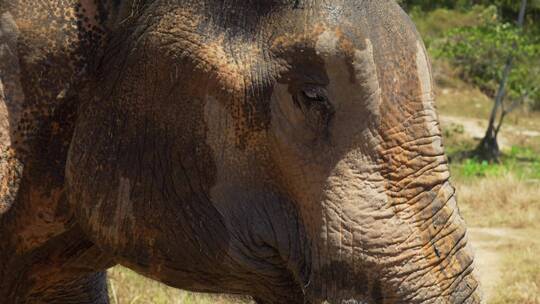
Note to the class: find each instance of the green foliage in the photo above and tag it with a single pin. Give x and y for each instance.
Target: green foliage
(435, 24)
(524, 163)
(506, 9)
(509, 10)
(429, 5)
(481, 52)
(477, 42)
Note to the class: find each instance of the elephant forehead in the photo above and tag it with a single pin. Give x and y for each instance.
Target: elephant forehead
(185, 35)
(319, 36)
(230, 62)
(327, 43)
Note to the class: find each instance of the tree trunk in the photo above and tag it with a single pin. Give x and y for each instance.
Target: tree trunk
(488, 149)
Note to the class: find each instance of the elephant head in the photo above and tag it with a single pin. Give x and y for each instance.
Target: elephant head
(288, 150)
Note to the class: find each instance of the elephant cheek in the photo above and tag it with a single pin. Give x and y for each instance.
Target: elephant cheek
(105, 216)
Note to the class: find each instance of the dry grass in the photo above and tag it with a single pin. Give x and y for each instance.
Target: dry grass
(509, 202)
(127, 287)
(521, 271)
(496, 201)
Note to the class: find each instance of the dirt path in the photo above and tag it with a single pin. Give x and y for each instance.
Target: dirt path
(487, 243)
(476, 128)
(472, 127)
(488, 260)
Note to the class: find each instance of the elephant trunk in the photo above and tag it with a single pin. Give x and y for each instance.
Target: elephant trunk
(383, 242)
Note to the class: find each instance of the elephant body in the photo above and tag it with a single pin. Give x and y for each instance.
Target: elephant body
(286, 150)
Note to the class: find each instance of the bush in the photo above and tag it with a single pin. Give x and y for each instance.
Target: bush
(435, 24)
(507, 9)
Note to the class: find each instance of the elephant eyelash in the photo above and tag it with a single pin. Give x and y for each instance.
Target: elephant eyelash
(313, 94)
(315, 106)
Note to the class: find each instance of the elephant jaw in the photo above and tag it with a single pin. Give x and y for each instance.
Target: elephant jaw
(419, 255)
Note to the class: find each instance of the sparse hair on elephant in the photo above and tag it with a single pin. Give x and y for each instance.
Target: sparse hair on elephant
(288, 150)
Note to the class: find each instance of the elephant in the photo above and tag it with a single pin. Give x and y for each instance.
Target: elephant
(286, 150)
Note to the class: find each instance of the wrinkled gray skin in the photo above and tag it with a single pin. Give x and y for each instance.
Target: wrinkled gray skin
(287, 150)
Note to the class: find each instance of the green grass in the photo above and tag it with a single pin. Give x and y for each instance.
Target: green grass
(524, 163)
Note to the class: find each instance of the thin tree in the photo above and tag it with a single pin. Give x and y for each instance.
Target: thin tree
(488, 148)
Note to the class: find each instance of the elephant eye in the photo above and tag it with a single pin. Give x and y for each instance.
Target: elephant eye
(314, 103)
(314, 94)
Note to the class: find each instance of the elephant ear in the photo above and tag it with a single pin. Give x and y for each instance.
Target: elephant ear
(45, 47)
(11, 97)
(10, 166)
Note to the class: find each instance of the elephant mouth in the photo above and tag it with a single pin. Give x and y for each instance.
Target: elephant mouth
(461, 288)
